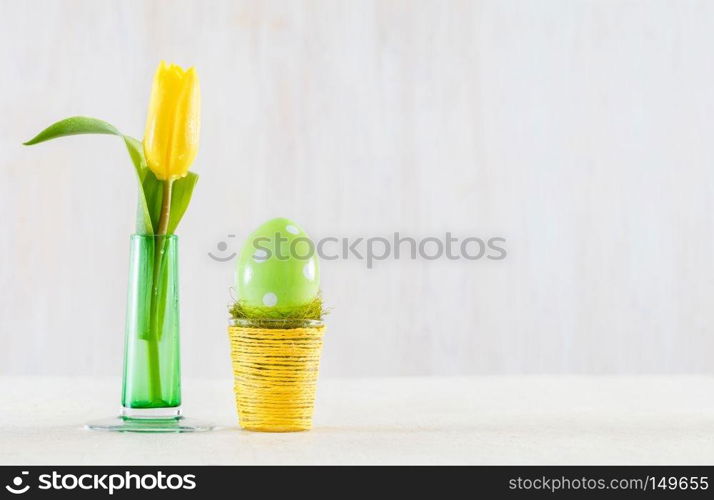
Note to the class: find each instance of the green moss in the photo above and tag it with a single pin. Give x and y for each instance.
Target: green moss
(276, 317)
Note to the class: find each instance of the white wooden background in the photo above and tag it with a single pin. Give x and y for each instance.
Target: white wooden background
(581, 131)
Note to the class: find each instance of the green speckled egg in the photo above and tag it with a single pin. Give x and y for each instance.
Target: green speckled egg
(278, 267)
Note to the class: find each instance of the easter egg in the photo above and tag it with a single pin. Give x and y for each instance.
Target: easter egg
(278, 267)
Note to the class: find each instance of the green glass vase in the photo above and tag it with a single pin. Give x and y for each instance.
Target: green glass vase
(151, 388)
(152, 365)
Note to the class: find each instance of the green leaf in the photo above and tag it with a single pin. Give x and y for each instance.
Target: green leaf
(181, 193)
(73, 126)
(144, 222)
(85, 125)
(136, 152)
(154, 192)
(180, 198)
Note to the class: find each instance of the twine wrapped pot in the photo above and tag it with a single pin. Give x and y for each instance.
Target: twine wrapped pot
(275, 373)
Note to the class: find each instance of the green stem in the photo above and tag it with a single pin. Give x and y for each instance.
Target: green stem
(165, 207)
(159, 249)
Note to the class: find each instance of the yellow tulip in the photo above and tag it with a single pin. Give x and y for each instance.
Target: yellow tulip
(173, 122)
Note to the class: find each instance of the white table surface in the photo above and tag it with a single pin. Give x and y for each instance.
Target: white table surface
(466, 420)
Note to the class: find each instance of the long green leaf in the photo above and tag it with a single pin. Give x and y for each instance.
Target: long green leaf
(180, 198)
(153, 191)
(85, 125)
(144, 223)
(74, 126)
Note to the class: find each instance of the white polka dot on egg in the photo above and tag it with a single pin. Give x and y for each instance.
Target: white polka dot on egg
(308, 270)
(260, 255)
(292, 229)
(270, 299)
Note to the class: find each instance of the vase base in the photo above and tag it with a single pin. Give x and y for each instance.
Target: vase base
(144, 424)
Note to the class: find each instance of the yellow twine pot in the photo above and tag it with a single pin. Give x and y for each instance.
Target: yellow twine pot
(275, 374)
